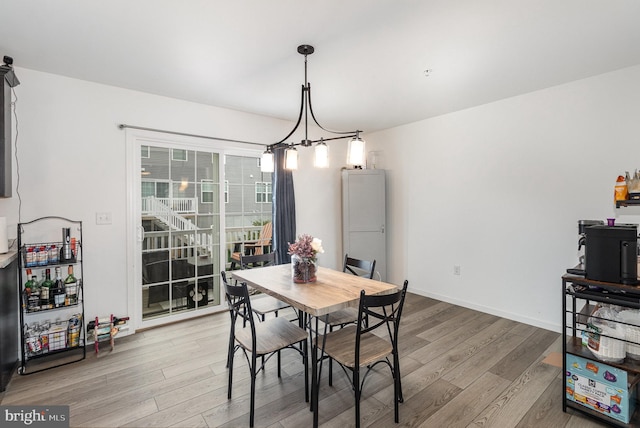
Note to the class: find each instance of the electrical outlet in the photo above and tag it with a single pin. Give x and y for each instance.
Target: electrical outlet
(456, 269)
(103, 218)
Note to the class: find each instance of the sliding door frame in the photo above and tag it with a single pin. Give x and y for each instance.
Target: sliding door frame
(135, 138)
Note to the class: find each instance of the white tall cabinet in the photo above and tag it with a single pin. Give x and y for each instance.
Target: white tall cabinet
(364, 217)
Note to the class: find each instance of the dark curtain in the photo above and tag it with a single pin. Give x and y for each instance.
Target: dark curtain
(284, 209)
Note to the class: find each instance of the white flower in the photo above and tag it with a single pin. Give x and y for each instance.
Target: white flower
(316, 244)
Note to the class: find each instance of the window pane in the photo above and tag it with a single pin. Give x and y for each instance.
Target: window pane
(162, 190)
(178, 155)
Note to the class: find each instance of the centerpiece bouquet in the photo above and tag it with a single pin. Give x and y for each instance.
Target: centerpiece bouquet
(304, 262)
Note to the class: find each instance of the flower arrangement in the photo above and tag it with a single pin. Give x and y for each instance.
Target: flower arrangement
(303, 254)
(306, 247)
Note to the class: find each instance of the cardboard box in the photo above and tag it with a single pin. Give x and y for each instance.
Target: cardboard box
(600, 387)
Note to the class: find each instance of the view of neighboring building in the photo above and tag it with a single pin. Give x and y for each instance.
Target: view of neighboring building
(184, 207)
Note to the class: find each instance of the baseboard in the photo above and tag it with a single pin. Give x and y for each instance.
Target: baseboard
(493, 311)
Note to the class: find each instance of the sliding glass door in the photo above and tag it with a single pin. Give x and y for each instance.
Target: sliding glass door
(193, 203)
(180, 218)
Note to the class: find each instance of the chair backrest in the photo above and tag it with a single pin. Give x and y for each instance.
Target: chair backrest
(359, 267)
(265, 234)
(237, 297)
(380, 311)
(257, 260)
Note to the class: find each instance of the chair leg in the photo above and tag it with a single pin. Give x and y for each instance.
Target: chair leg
(397, 394)
(305, 356)
(230, 356)
(356, 387)
(231, 343)
(279, 364)
(396, 361)
(253, 388)
(330, 363)
(263, 355)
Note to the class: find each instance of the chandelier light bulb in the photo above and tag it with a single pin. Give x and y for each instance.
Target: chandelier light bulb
(355, 152)
(321, 155)
(266, 162)
(291, 158)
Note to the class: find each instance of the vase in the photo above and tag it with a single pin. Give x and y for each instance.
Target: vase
(303, 269)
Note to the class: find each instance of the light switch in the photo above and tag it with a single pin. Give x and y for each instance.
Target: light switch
(103, 218)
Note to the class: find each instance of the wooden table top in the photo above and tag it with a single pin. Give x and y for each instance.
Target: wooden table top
(333, 290)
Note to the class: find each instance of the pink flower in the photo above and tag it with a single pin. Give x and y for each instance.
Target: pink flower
(306, 246)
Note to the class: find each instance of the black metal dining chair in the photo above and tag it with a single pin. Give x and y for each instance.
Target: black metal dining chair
(265, 304)
(358, 267)
(356, 346)
(260, 339)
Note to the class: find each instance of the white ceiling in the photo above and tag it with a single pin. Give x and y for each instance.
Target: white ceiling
(368, 68)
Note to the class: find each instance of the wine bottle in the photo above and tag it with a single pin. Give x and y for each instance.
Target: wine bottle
(71, 286)
(120, 321)
(45, 290)
(58, 290)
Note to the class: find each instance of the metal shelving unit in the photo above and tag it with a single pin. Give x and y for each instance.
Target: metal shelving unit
(51, 335)
(581, 297)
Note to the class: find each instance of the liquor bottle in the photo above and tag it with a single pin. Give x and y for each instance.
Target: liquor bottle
(34, 298)
(45, 290)
(58, 290)
(42, 279)
(71, 287)
(29, 285)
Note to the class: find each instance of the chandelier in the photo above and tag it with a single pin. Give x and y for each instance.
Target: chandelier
(355, 149)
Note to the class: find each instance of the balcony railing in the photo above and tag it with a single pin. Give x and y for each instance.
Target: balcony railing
(177, 205)
(169, 211)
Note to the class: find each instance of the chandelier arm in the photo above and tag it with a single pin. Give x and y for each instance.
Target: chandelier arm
(297, 123)
(351, 135)
(316, 120)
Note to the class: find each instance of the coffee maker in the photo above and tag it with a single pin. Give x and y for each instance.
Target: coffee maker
(612, 254)
(581, 268)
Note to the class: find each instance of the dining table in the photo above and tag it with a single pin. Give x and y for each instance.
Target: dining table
(332, 291)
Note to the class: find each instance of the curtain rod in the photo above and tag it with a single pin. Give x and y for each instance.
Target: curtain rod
(123, 126)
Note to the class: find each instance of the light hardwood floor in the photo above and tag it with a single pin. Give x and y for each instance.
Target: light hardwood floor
(460, 368)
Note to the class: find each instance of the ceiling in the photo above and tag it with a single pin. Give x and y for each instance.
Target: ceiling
(368, 69)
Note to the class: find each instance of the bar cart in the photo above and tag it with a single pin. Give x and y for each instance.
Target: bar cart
(51, 311)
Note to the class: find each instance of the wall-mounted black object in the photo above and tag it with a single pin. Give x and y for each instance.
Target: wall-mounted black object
(612, 253)
(8, 80)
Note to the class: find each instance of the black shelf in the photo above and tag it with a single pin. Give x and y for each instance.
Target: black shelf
(581, 297)
(627, 203)
(39, 311)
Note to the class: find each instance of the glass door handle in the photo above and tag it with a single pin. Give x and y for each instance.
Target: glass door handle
(140, 233)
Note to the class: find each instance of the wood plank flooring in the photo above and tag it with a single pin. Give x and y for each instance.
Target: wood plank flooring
(460, 368)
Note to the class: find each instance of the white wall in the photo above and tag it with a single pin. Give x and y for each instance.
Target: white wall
(72, 163)
(498, 190)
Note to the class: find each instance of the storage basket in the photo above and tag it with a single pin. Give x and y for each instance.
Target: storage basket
(632, 332)
(57, 338)
(604, 333)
